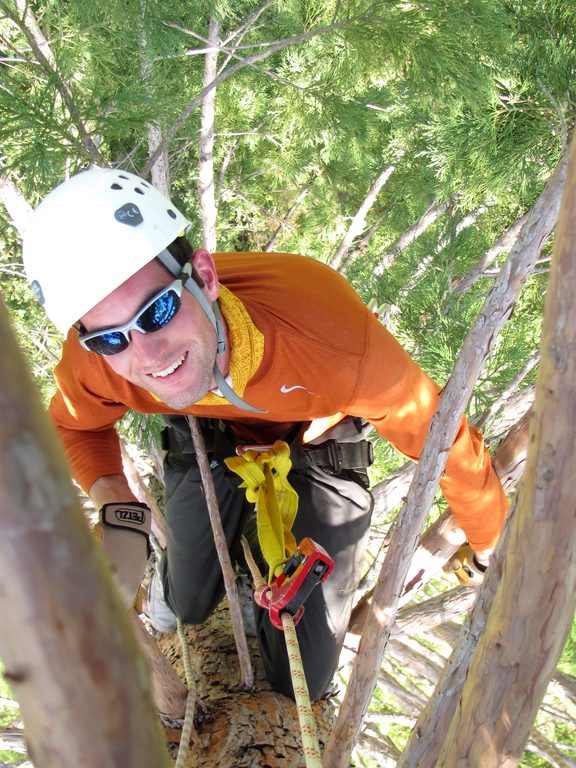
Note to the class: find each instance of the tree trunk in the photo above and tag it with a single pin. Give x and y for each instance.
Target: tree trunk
(535, 601)
(236, 728)
(206, 168)
(69, 653)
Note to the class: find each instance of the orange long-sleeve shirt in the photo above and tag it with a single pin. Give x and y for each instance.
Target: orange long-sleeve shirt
(324, 353)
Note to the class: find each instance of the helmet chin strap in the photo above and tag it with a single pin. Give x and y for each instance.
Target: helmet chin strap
(212, 312)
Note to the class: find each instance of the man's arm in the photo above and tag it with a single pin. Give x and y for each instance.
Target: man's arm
(124, 528)
(110, 489)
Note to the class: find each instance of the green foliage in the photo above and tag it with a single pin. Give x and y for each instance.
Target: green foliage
(9, 716)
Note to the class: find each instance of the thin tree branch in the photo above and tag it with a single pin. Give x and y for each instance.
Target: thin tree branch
(227, 159)
(223, 554)
(466, 222)
(432, 213)
(243, 28)
(19, 209)
(293, 208)
(358, 223)
(504, 243)
(509, 391)
(160, 171)
(430, 733)
(509, 671)
(41, 49)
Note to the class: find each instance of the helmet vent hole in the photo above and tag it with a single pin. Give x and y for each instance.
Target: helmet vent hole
(138, 190)
(116, 186)
(123, 176)
(171, 213)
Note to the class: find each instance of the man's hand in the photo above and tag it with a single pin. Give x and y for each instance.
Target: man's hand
(125, 530)
(466, 566)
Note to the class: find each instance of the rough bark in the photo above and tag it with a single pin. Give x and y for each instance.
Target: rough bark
(527, 627)
(235, 728)
(69, 653)
(510, 459)
(494, 314)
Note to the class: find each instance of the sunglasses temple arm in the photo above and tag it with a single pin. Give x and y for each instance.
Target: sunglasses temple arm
(212, 311)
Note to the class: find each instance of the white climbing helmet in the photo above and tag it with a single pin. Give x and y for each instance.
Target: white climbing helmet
(92, 233)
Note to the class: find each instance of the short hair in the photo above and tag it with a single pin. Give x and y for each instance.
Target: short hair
(183, 253)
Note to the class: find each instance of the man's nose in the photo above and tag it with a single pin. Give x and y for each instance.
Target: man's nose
(149, 347)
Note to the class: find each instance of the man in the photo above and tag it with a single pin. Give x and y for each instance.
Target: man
(260, 347)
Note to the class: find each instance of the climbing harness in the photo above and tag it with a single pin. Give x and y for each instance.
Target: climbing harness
(294, 570)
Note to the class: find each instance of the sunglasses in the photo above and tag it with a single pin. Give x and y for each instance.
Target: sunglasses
(152, 317)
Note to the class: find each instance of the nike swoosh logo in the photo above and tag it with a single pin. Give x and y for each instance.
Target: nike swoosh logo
(284, 389)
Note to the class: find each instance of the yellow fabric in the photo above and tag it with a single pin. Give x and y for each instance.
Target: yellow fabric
(265, 479)
(246, 345)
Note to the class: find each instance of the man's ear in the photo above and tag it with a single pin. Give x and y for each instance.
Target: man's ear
(203, 263)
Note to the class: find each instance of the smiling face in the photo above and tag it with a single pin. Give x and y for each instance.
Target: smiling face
(176, 362)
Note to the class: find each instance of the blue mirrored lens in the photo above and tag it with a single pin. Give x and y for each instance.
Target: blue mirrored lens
(109, 343)
(159, 313)
(113, 339)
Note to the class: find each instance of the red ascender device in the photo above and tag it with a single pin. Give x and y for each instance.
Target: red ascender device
(308, 566)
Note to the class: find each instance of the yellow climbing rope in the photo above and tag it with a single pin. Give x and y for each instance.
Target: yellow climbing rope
(308, 728)
(264, 472)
